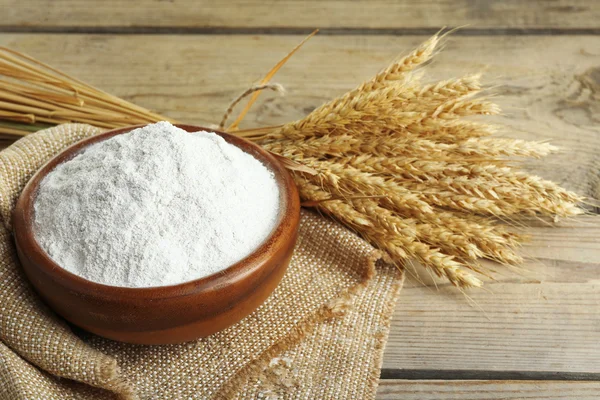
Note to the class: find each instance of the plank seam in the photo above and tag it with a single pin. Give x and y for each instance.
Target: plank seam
(343, 31)
(467, 374)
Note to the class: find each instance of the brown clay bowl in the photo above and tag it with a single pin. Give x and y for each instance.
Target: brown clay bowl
(166, 314)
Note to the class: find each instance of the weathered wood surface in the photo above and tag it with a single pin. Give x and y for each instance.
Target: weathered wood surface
(549, 85)
(481, 390)
(290, 14)
(548, 320)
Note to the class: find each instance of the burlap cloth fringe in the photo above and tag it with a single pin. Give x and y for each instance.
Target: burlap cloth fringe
(320, 335)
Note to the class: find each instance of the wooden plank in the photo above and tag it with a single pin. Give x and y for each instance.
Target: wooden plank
(548, 321)
(378, 14)
(481, 390)
(549, 85)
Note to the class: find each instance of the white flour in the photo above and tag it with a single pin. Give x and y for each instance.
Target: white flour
(156, 206)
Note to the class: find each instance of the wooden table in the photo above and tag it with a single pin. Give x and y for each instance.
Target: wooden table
(535, 335)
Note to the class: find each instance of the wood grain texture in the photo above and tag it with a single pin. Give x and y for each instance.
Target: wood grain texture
(548, 319)
(549, 86)
(545, 319)
(365, 14)
(481, 390)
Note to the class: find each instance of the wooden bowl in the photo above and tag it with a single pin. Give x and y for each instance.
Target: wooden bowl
(166, 314)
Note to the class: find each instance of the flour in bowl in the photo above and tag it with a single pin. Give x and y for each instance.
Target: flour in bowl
(156, 206)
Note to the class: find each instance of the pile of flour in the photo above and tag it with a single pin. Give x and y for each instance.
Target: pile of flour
(154, 207)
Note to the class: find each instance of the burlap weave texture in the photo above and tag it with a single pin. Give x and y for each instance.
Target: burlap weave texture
(320, 335)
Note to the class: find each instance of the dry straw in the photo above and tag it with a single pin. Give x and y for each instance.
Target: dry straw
(396, 160)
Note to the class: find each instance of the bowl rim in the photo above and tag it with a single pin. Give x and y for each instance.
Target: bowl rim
(23, 226)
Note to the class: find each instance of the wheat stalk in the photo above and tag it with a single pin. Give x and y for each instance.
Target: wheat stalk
(411, 143)
(33, 92)
(395, 159)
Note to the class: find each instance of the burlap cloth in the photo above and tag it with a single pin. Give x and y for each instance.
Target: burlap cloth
(320, 335)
